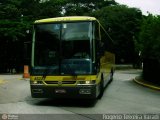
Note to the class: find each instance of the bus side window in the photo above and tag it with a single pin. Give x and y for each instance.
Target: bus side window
(100, 48)
(108, 43)
(99, 41)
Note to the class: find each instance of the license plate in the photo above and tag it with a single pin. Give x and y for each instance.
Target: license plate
(60, 91)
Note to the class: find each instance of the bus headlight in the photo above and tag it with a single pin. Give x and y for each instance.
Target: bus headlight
(36, 82)
(86, 82)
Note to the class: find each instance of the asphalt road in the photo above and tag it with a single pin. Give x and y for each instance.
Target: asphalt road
(121, 96)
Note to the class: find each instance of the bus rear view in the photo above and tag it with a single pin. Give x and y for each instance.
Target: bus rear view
(64, 63)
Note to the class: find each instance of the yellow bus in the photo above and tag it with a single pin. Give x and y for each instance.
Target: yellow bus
(71, 58)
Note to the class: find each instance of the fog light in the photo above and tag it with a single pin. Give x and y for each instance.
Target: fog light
(37, 90)
(84, 91)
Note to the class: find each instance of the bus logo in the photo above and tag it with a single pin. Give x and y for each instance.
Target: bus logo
(4, 117)
(59, 83)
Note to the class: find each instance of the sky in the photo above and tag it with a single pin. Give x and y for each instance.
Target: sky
(151, 6)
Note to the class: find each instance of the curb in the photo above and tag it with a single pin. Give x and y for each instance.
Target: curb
(145, 84)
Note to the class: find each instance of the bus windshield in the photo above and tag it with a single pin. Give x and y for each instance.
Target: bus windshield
(63, 48)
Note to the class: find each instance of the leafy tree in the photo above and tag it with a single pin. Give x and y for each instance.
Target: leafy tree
(83, 7)
(149, 37)
(149, 41)
(12, 35)
(122, 24)
(52, 8)
(16, 18)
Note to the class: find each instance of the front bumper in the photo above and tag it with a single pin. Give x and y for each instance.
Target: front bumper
(43, 91)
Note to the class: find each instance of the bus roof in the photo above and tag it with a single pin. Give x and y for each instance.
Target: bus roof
(70, 18)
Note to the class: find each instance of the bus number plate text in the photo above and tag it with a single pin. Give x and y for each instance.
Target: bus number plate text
(61, 91)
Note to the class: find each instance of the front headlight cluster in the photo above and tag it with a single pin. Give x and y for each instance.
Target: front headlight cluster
(86, 82)
(36, 82)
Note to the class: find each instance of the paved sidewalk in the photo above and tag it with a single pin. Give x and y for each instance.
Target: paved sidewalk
(142, 82)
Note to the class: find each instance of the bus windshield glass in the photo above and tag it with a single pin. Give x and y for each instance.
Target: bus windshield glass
(63, 48)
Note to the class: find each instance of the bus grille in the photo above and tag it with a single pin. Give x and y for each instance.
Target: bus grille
(63, 82)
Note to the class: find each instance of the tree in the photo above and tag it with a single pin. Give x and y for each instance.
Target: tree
(122, 24)
(149, 41)
(16, 19)
(83, 7)
(12, 35)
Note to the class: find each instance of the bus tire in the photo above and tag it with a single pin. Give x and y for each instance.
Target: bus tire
(101, 87)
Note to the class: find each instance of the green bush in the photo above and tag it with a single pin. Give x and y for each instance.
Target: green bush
(150, 40)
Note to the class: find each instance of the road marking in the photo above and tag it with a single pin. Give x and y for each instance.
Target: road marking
(3, 81)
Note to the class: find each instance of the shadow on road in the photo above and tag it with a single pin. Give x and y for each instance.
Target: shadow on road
(62, 102)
